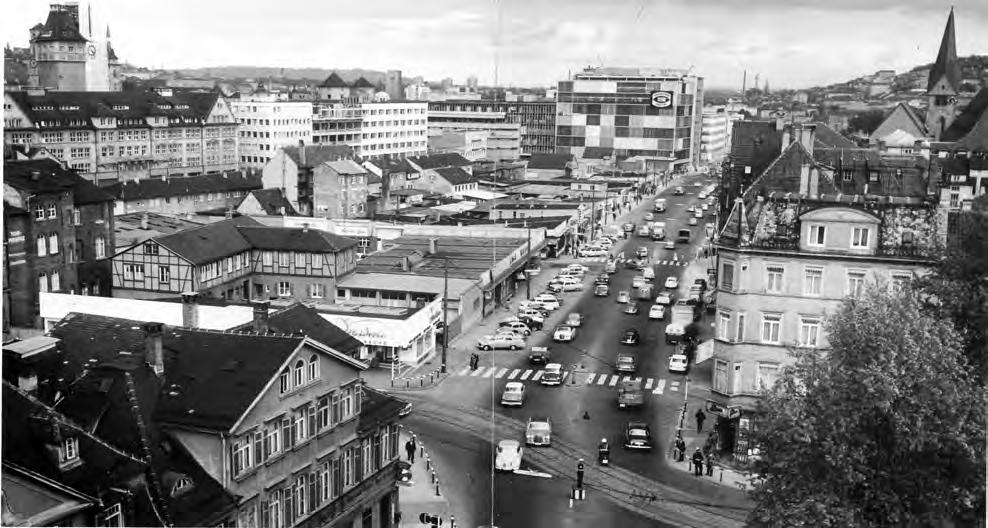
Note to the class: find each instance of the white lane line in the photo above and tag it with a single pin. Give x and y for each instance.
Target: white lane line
(626, 378)
(590, 379)
(514, 374)
(463, 371)
(479, 372)
(602, 380)
(648, 384)
(660, 386)
(500, 373)
(614, 380)
(489, 373)
(537, 375)
(526, 374)
(674, 387)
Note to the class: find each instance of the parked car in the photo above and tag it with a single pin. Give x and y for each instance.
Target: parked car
(623, 296)
(533, 305)
(578, 269)
(631, 308)
(508, 457)
(564, 333)
(574, 319)
(705, 206)
(601, 290)
(539, 355)
(514, 394)
(644, 231)
(641, 252)
(657, 311)
(679, 191)
(605, 243)
(552, 374)
(626, 363)
(535, 314)
(538, 432)
(665, 298)
(517, 326)
(672, 283)
(698, 214)
(630, 337)
(670, 244)
(535, 323)
(592, 252)
(549, 301)
(679, 363)
(638, 435)
(501, 341)
(637, 282)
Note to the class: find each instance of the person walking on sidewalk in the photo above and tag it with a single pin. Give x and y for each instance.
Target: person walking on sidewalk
(410, 450)
(697, 463)
(710, 464)
(680, 448)
(700, 417)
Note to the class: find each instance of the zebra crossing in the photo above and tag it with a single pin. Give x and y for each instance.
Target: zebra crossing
(667, 262)
(653, 385)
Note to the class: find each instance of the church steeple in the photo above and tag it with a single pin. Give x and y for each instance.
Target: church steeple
(944, 83)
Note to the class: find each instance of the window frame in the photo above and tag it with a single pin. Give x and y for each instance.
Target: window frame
(284, 289)
(775, 319)
(723, 325)
(778, 272)
(759, 381)
(810, 273)
(856, 242)
(808, 326)
(821, 231)
(851, 290)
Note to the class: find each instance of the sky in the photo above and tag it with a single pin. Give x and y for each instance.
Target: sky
(790, 43)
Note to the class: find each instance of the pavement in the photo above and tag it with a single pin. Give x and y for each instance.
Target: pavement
(419, 495)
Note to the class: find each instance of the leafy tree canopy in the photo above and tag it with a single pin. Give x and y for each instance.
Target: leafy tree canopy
(884, 429)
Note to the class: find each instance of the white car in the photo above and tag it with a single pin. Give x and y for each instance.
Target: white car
(663, 298)
(592, 252)
(670, 244)
(692, 221)
(548, 301)
(705, 206)
(672, 283)
(574, 319)
(638, 282)
(514, 394)
(678, 363)
(517, 327)
(538, 432)
(605, 243)
(579, 269)
(623, 296)
(552, 374)
(508, 456)
(649, 217)
(564, 333)
(657, 311)
(508, 341)
(698, 213)
(533, 314)
(568, 284)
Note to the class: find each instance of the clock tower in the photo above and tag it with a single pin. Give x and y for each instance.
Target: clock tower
(64, 57)
(944, 84)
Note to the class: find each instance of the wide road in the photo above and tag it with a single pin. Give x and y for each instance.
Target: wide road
(584, 410)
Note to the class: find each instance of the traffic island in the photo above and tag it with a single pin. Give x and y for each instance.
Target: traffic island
(420, 485)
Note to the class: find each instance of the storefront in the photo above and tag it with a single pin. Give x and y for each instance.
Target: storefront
(389, 335)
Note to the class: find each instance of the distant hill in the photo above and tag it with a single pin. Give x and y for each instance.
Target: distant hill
(230, 73)
(973, 67)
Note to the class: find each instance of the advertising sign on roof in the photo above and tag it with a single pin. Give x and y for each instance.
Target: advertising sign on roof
(661, 99)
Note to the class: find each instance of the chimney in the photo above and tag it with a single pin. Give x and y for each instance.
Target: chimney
(301, 153)
(404, 264)
(229, 213)
(144, 221)
(261, 316)
(35, 175)
(27, 381)
(807, 136)
(153, 350)
(804, 179)
(433, 243)
(190, 310)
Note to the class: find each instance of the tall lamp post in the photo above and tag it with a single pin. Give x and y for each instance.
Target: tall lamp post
(445, 313)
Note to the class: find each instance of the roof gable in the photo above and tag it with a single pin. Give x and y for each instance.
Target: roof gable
(362, 83)
(334, 81)
(299, 319)
(61, 26)
(902, 117)
(270, 201)
(438, 161)
(293, 239)
(185, 186)
(455, 175)
(210, 242)
(318, 154)
(52, 178)
(971, 126)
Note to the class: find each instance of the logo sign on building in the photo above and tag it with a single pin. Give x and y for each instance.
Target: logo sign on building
(661, 99)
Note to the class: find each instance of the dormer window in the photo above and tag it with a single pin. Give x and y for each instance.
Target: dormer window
(181, 485)
(68, 452)
(112, 516)
(121, 107)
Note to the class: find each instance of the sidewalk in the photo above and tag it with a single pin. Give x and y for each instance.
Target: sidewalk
(722, 473)
(419, 495)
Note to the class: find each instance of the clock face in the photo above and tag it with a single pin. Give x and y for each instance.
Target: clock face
(92, 50)
(34, 63)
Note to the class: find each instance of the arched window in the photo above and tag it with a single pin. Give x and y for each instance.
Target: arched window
(299, 372)
(313, 368)
(42, 245)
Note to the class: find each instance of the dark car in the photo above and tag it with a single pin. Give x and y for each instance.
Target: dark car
(638, 435)
(631, 263)
(630, 337)
(702, 283)
(539, 355)
(603, 278)
(530, 322)
(641, 252)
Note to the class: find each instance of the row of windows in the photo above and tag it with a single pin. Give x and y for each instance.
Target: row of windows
(49, 281)
(273, 122)
(732, 327)
(47, 245)
(812, 279)
(326, 480)
(285, 259)
(287, 289)
(766, 375)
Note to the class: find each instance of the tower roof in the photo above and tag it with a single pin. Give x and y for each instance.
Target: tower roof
(946, 64)
(334, 81)
(362, 83)
(61, 26)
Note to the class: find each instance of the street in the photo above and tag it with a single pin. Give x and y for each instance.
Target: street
(583, 409)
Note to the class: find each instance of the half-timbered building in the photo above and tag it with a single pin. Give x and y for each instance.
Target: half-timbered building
(236, 259)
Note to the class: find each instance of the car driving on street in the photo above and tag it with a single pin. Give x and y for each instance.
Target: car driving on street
(552, 374)
(626, 363)
(631, 308)
(538, 432)
(601, 290)
(657, 311)
(623, 296)
(564, 333)
(641, 252)
(638, 435)
(574, 319)
(508, 457)
(679, 363)
(514, 394)
(539, 355)
(630, 337)
(672, 283)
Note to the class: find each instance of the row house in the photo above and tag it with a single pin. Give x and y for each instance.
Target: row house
(126, 135)
(291, 169)
(235, 259)
(219, 191)
(58, 236)
(807, 234)
(340, 189)
(295, 440)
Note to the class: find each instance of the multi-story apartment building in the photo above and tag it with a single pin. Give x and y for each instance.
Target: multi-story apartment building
(292, 169)
(339, 189)
(715, 135)
(814, 228)
(503, 139)
(646, 112)
(537, 118)
(191, 194)
(267, 124)
(372, 129)
(113, 136)
(471, 144)
(58, 236)
(236, 259)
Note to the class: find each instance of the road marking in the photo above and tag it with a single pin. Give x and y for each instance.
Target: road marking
(674, 387)
(532, 473)
(602, 380)
(526, 374)
(463, 371)
(479, 372)
(500, 373)
(614, 380)
(648, 384)
(537, 375)
(660, 387)
(514, 374)
(487, 372)
(626, 378)
(565, 373)
(590, 379)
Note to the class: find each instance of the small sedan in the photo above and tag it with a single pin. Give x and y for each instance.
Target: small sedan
(514, 394)
(539, 355)
(670, 244)
(641, 252)
(538, 432)
(610, 267)
(628, 227)
(638, 435)
(649, 217)
(592, 252)
(672, 283)
(626, 363)
(564, 333)
(549, 301)
(623, 296)
(574, 319)
(644, 231)
(698, 213)
(601, 290)
(657, 311)
(679, 191)
(679, 363)
(603, 278)
(501, 341)
(664, 298)
(692, 221)
(631, 309)
(517, 326)
(508, 456)
(630, 337)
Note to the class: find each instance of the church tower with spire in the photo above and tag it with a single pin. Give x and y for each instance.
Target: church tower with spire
(944, 84)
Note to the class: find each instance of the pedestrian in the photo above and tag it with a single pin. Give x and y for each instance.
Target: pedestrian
(710, 464)
(681, 448)
(700, 417)
(697, 463)
(410, 451)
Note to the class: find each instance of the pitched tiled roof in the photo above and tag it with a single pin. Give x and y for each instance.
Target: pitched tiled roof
(377, 408)
(362, 83)
(51, 178)
(455, 175)
(210, 242)
(826, 137)
(438, 161)
(334, 81)
(974, 113)
(318, 154)
(346, 167)
(597, 152)
(299, 319)
(213, 377)
(185, 186)
(288, 239)
(549, 161)
(195, 104)
(61, 27)
(272, 201)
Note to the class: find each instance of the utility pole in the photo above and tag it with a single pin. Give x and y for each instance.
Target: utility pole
(445, 313)
(528, 279)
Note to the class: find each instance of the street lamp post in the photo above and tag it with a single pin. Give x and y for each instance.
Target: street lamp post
(528, 279)
(445, 313)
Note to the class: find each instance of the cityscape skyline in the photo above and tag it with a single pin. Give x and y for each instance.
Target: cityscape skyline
(536, 44)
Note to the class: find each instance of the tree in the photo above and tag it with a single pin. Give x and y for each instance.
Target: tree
(883, 429)
(866, 122)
